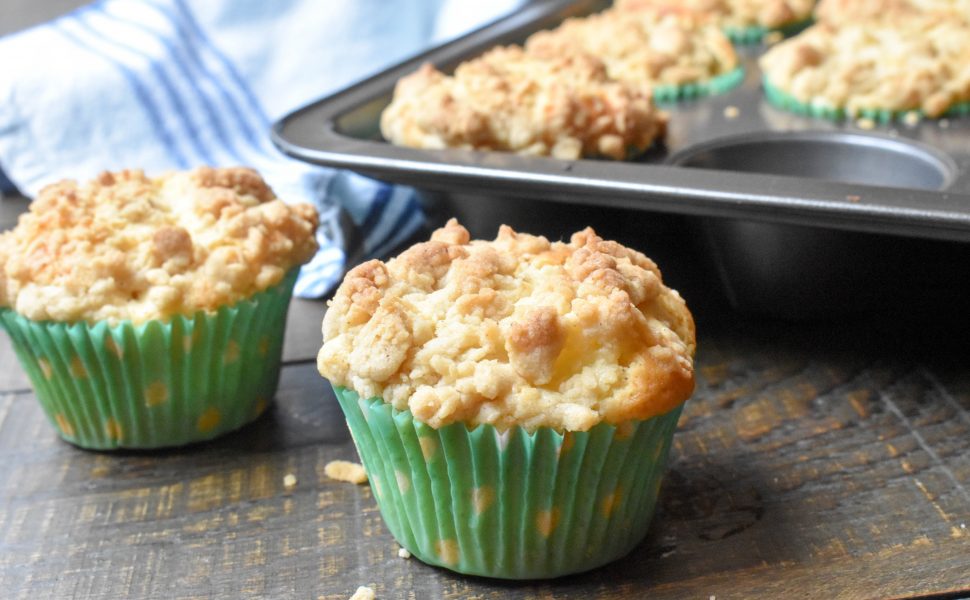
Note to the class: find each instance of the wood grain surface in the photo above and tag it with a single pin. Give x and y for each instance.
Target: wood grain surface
(814, 461)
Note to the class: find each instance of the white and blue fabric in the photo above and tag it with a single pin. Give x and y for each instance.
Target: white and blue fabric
(171, 84)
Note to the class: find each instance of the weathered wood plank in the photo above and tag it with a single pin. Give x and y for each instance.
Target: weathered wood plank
(87, 524)
(815, 461)
(841, 473)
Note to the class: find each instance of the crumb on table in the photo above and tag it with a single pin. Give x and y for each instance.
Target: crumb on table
(343, 470)
(289, 481)
(773, 37)
(363, 593)
(731, 112)
(865, 123)
(403, 553)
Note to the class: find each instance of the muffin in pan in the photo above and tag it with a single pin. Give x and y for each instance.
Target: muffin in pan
(836, 12)
(513, 401)
(149, 312)
(675, 53)
(565, 106)
(880, 69)
(743, 21)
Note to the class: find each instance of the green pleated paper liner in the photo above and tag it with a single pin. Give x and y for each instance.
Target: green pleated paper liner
(755, 34)
(725, 82)
(155, 384)
(512, 505)
(786, 101)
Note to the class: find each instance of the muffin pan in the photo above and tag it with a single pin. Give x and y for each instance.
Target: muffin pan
(732, 156)
(827, 156)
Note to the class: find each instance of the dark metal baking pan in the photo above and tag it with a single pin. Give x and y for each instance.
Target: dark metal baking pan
(804, 271)
(342, 131)
(781, 194)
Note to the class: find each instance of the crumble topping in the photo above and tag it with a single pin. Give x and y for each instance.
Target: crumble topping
(647, 47)
(915, 63)
(515, 331)
(127, 246)
(506, 99)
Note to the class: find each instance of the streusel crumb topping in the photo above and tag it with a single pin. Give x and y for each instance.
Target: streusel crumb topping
(506, 99)
(647, 47)
(772, 14)
(515, 331)
(898, 64)
(127, 246)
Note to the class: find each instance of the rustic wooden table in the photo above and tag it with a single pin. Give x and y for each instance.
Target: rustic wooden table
(815, 460)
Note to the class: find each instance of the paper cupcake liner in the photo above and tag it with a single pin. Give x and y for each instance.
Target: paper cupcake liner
(665, 94)
(755, 34)
(158, 383)
(786, 101)
(512, 505)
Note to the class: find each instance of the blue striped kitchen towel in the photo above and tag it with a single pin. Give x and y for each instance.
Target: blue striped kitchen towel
(171, 84)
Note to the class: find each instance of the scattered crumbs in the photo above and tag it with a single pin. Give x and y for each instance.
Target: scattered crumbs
(363, 593)
(343, 470)
(865, 123)
(289, 481)
(403, 553)
(944, 123)
(911, 118)
(853, 198)
(731, 112)
(963, 525)
(773, 37)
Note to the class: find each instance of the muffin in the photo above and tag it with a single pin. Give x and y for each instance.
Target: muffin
(513, 401)
(566, 107)
(880, 69)
(837, 12)
(743, 21)
(149, 312)
(675, 53)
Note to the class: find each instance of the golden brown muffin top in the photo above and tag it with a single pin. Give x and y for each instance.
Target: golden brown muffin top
(837, 12)
(912, 63)
(736, 13)
(650, 46)
(126, 246)
(566, 107)
(515, 331)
